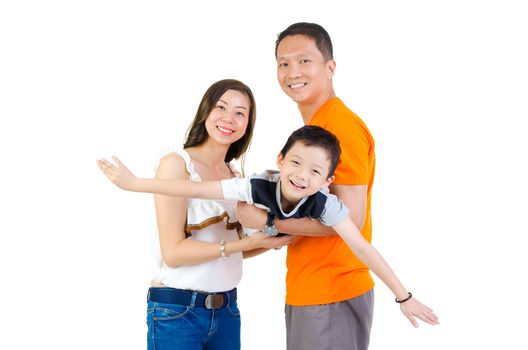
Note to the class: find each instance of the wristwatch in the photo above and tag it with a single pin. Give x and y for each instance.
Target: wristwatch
(269, 228)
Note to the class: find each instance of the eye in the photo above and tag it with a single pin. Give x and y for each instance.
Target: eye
(220, 107)
(283, 65)
(240, 114)
(316, 171)
(304, 60)
(294, 162)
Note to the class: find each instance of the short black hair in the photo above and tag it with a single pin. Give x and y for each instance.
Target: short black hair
(315, 136)
(313, 31)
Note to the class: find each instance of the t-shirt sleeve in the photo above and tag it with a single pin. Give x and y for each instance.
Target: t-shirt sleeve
(355, 142)
(237, 189)
(334, 212)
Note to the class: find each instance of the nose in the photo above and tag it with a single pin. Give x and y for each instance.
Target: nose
(293, 72)
(229, 117)
(290, 71)
(302, 173)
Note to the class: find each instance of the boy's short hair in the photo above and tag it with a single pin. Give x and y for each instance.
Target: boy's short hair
(315, 136)
(313, 31)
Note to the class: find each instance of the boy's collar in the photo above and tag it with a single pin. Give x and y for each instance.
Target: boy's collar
(278, 197)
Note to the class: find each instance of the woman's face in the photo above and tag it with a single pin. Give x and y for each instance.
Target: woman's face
(229, 118)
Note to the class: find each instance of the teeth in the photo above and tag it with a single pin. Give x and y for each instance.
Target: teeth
(224, 130)
(296, 86)
(296, 184)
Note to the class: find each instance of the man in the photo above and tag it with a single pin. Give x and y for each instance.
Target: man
(329, 292)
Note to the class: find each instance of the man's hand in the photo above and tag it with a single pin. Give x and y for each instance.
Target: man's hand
(250, 216)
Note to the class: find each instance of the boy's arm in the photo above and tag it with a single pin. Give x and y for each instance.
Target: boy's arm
(123, 178)
(370, 256)
(179, 188)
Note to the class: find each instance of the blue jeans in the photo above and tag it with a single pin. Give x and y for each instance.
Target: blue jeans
(172, 326)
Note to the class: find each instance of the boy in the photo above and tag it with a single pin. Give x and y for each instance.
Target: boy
(300, 189)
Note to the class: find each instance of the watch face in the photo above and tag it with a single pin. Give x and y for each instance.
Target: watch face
(270, 231)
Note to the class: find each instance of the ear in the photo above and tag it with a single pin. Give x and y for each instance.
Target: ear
(330, 68)
(280, 160)
(328, 181)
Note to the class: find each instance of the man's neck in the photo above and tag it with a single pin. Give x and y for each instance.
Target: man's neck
(308, 110)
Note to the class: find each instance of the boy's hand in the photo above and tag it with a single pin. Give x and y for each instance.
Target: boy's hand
(414, 308)
(118, 174)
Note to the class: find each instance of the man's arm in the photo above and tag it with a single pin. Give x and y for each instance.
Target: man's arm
(354, 197)
(252, 217)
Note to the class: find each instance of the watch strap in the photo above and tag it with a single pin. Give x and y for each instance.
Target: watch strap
(270, 221)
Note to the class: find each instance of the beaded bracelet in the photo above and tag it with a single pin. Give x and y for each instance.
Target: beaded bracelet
(403, 300)
(223, 253)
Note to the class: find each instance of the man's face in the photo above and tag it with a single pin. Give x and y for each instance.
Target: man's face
(303, 171)
(302, 71)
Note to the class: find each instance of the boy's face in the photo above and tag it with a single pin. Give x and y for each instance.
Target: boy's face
(303, 171)
(302, 71)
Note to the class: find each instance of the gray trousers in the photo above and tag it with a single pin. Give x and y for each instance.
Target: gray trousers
(339, 326)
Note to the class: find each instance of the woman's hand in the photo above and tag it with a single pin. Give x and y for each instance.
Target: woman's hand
(260, 240)
(118, 174)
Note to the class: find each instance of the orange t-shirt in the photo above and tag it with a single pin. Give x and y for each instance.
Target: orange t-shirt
(323, 270)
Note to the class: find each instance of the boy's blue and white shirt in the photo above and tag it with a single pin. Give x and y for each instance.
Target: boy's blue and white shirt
(263, 190)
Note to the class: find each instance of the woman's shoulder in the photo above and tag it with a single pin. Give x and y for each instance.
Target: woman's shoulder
(172, 158)
(171, 165)
(174, 163)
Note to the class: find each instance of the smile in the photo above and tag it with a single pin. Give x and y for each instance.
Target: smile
(297, 85)
(224, 130)
(297, 186)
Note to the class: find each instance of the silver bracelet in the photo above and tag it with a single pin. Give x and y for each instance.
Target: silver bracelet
(223, 252)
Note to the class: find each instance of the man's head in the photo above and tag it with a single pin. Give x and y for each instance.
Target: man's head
(313, 31)
(307, 161)
(305, 64)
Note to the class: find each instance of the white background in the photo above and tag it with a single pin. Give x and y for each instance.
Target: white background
(441, 85)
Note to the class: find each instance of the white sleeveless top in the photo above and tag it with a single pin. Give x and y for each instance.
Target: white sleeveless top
(207, 221)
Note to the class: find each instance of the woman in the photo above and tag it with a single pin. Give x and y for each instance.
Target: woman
(192, 301)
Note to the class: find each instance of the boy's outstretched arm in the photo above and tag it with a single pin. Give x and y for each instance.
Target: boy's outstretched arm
(411, 308)
(123, 178)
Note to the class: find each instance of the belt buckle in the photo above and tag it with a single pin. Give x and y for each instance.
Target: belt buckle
(214, 301)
